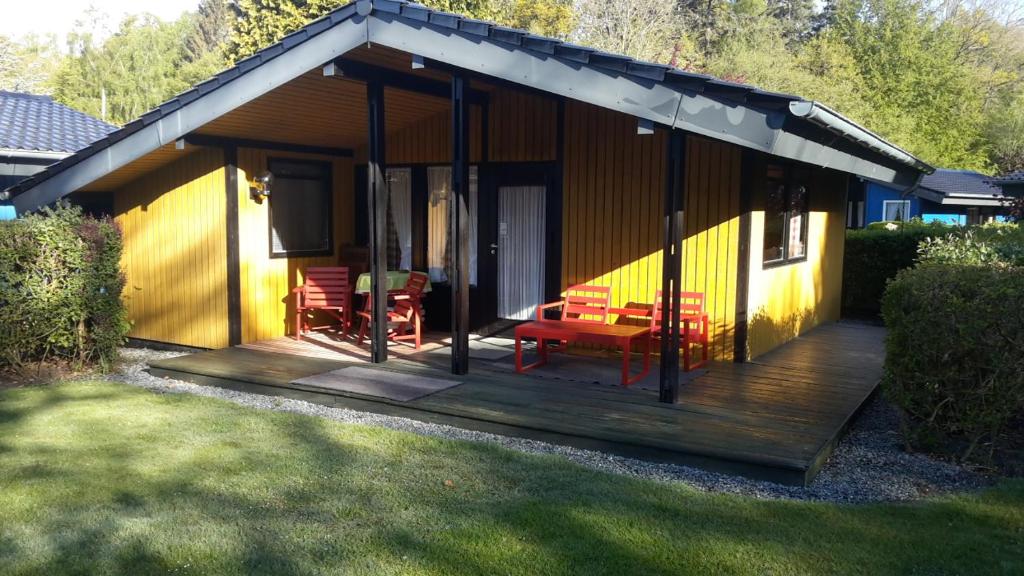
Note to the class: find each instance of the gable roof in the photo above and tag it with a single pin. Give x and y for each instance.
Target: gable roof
(779, 124)
(33, 123)
(965, 187)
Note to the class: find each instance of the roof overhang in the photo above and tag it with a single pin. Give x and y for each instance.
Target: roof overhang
(168, 128)
(770, 131)
(959, 199)
(696, 105)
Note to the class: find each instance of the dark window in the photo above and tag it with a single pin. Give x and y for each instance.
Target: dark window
(785, 215)
(300, 208)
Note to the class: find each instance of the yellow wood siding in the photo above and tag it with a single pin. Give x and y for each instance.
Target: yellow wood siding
(612, 222)
(174, 252)
(786, 301)
(521, 128)
(266, 283)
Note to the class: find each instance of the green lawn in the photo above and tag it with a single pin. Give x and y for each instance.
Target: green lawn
(103, 478)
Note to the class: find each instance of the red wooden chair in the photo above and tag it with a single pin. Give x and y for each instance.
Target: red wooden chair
(407, 312)
(693, 325)
(414, 286)
(327, 290)
(582, 303)
(406, 315)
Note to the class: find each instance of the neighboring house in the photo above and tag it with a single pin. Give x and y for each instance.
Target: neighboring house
(951, 196)
(35, 132)
(1011, 184)
(574, 161)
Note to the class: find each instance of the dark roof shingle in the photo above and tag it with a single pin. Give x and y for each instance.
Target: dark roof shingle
(38, 124)
(960, 183)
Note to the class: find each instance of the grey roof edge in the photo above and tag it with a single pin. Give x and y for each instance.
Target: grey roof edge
(832, 120)
(639, 73)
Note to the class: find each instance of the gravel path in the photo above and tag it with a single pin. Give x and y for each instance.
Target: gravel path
(868, 465)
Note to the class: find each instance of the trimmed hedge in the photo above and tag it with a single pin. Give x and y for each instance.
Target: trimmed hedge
(955, 353)
(874, 255)
(60, 288)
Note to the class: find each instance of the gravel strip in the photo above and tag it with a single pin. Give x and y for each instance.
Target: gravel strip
(868, 465)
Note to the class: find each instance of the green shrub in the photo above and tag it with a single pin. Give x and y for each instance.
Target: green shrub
(60, 288)
(874, 255)
(992, 244)
(955, 352)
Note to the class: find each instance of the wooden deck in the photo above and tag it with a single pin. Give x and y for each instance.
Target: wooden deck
(776, 418)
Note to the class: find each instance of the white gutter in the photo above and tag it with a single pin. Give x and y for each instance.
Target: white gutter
(837, 123)
(33, 154)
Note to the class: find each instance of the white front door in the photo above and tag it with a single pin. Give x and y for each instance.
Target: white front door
(521, 250)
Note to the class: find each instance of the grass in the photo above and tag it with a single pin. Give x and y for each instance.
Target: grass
(102, 478)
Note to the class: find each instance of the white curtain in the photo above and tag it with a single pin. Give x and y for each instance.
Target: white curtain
(439, 184)
(520, 251)
(400, 188)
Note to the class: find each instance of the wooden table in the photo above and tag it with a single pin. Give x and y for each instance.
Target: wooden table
(620, 336)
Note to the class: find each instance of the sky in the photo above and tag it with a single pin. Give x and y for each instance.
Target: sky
(43, 17)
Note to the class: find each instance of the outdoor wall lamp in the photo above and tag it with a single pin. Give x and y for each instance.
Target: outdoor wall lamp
(259, 188)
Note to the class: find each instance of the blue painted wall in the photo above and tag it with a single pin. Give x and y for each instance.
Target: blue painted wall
(875, 196)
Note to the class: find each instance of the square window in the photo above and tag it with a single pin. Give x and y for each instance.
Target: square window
(896, 210)
(300, 208)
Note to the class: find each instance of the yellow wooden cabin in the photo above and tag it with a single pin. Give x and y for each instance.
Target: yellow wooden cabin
(384, 103)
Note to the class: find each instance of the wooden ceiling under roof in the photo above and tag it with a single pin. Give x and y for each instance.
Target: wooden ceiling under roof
(312, 110)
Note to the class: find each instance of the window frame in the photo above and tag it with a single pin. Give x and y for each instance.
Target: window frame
(789, 180)
(906, 211)
(329, 170)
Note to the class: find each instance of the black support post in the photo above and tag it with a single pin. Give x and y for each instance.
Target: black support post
(747, 183)
(233, 249)
(672, 254)
(458, 226)
(377, 199)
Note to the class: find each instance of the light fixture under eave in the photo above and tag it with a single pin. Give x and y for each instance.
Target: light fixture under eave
(259, 187)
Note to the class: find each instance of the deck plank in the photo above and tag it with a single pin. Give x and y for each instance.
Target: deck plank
(775, 418)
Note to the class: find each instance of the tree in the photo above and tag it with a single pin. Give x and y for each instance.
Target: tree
(28, 65)
(211, 29)
(260, 23)
(919, 95)
(1005, 134)
(140, 66)
(643, 29)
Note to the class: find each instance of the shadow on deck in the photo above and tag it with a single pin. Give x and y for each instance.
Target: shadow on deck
(776, 418)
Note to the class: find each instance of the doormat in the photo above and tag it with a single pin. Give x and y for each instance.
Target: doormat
(379, 383)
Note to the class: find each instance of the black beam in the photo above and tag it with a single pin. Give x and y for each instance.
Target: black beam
(377, 198)
(223, 141)
(747, 184)
(234, 269)
(363, 72)
(672, 255)
(458, 226)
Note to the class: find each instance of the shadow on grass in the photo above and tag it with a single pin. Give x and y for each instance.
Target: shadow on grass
(116, 480)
